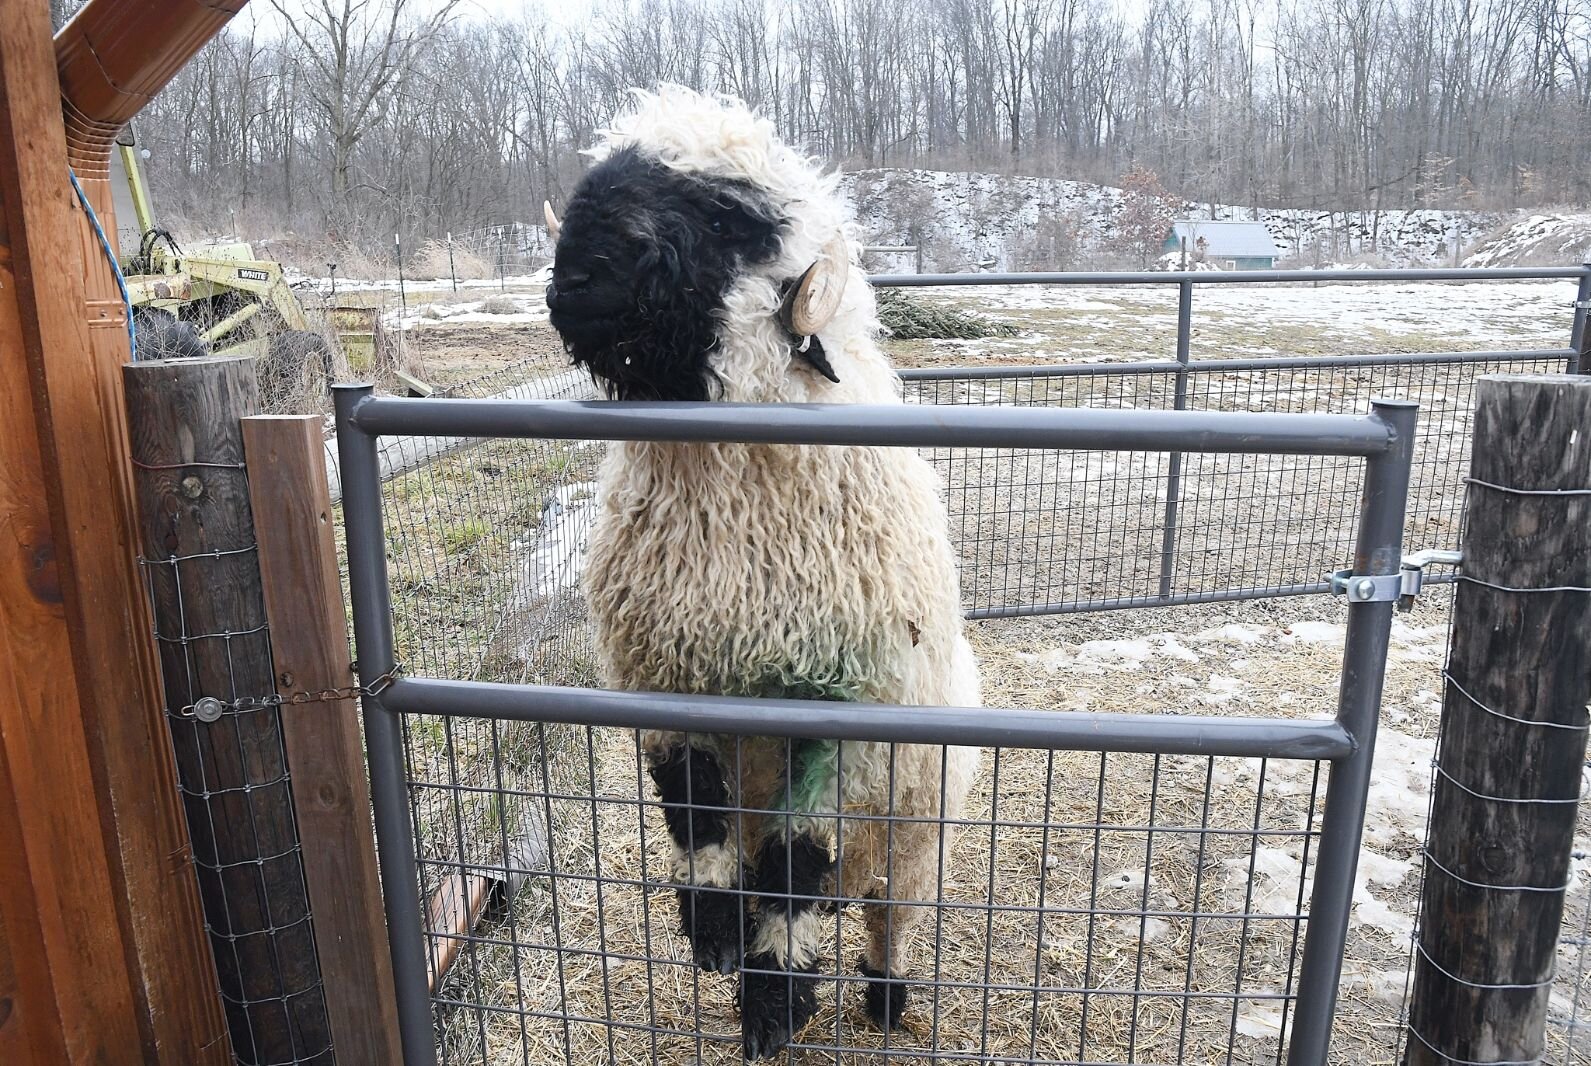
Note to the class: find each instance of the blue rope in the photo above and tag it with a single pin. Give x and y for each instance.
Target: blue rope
(110, 257)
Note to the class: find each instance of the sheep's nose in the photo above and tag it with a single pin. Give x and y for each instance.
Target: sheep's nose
(569, 280)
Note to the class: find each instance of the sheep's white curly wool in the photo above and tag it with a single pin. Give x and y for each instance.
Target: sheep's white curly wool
(817, 572)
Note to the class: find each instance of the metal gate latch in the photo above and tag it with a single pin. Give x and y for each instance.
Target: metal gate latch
(1403, 586)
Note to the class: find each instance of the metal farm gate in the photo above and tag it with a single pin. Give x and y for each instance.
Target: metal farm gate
(1039, 952)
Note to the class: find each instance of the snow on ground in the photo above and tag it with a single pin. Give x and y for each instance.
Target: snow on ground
(1564, 238)
(1479, 312)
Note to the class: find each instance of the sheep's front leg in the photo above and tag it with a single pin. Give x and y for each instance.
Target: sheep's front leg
(690, 782)
(778, 986)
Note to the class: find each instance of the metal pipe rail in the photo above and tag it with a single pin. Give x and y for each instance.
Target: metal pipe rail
(1384, 439)
(1228, 277)
(887, 425)
(992, 727)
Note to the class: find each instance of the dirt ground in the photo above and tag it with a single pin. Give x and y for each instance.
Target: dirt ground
(1087, 893)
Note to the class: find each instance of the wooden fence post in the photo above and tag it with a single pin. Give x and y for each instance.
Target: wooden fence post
(196, 534)
(1513, 733)
(325, 757)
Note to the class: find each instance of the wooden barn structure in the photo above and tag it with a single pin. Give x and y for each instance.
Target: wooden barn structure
(103, 950)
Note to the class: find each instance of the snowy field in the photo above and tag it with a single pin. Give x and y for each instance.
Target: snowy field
(1088, 323)
(1044, 906)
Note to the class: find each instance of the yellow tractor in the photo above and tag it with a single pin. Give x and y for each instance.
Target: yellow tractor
(219, 297)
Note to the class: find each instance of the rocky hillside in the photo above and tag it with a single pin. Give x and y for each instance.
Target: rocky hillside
(1540, 240)
(1006, 222)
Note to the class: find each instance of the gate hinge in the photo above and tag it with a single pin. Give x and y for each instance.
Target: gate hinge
(1413, 572)
(1404, 586)
(1366, 588)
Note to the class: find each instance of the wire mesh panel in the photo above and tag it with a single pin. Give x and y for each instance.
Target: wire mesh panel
(1084, 908)
(237, 794)
(1075, 532)
(485, 539)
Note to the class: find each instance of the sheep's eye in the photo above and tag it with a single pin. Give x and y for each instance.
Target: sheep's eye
(717, 225)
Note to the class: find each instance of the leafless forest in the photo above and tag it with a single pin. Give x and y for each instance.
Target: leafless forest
(363, 117)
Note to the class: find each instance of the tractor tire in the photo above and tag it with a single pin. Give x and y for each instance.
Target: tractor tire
(162, 335)
(296, 373)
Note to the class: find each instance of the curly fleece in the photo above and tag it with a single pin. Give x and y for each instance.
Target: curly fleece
(790, 571)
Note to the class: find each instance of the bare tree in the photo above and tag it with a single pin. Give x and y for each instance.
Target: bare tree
(358, 50)
(376, 114)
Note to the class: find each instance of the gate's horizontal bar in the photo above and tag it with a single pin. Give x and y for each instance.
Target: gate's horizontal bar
(1228, 277)
(1220, 366)
(1161, 734)
(897, 425)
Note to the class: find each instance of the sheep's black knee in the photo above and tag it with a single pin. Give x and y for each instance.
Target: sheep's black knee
(690, 782)
(885, 996)
(776, 1004)
(789, 873)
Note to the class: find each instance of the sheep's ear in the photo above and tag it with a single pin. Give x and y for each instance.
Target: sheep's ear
(811, 350)
(814, 299)
(553, 224)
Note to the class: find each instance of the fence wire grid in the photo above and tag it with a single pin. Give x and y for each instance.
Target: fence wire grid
(1096, 908)
(236, 789)
(1086, 908)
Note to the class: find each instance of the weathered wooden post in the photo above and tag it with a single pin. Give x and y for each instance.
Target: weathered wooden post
(309, 647)
(196, 535)
(1513, 734)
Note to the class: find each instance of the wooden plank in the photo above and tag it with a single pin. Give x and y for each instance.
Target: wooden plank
(97, 917)
(1525, 655)
(30, 1026)
(197, 529)
(303, 599)
(450, 917)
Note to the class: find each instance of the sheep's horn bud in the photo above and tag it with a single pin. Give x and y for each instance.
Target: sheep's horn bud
(553, 224)
(814, 299)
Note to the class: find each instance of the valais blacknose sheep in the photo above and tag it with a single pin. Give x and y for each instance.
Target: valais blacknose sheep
(702, 259)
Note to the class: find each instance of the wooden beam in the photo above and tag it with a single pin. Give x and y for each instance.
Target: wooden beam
(106, 902)
(325, 755)
(31, 1028)
(1513, 733)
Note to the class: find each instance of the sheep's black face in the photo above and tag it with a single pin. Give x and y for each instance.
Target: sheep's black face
(644, 259)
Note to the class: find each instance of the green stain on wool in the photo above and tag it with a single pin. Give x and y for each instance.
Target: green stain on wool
(816, 762)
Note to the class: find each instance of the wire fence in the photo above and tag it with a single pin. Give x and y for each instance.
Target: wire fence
(1103, 908)
(236, 788)
(1085, 908)
(1078, 532)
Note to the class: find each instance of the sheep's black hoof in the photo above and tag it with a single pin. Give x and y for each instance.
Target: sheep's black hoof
(711, 919)
(773, 1006)
(886, 997)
